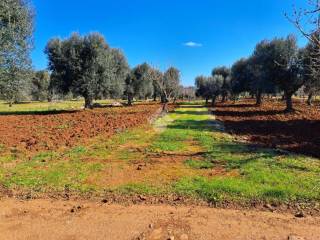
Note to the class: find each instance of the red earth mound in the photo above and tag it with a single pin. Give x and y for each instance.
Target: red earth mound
(36, 132)
(271, 126)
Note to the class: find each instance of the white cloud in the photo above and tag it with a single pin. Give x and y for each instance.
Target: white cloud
(192, 44)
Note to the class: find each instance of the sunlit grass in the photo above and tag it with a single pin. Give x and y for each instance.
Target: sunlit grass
(38, 107)
(246, 173)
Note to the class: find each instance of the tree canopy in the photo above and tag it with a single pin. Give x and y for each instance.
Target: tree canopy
(86, 66)
(16, 35)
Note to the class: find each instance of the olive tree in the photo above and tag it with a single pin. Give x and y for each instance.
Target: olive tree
(202, 89)
(225, 73)
(86, 66)
(307, 21)
(287, 68)
(209, 87)
(138, 83)
(261, 70)
(40, 86)
(240, 76)
(169, 84)
(311, 70)
(16, 32)
(215, 85)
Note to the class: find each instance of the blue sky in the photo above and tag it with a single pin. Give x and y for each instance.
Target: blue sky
(194, 36)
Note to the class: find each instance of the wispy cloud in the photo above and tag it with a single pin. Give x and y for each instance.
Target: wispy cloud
(192, 44)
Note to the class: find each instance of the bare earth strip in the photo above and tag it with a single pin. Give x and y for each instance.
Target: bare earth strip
(46, 219)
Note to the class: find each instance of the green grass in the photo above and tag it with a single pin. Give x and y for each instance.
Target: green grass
(199, 164)
(44, 107)
(262, 174)
(249, 173)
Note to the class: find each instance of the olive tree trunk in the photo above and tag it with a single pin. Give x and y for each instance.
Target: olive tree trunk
(88, 102)
(259, 98)
(130, 99)
(213, 103)
(309, 101)
(289, 105)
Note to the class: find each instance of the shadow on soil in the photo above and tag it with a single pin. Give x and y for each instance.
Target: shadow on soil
(44, 112)
(300, 136)
(247, 114)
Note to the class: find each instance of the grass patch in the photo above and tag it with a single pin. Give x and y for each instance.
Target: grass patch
(198, 164)
(138, 188)
(249, 173)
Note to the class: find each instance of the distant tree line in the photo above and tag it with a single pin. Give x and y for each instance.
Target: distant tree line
(83, 66)
(275, 67)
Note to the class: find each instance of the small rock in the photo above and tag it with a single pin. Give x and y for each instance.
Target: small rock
(143, 198)
(139, 168)
(184, 237)
(299, 214)
(178, 199)
(171, 238)
(151, 225)
(268, 206)
(295, 237)
(75, 208)
(104, 201)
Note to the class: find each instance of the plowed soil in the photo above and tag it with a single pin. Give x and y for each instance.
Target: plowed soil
(65, 129)
(270, 126)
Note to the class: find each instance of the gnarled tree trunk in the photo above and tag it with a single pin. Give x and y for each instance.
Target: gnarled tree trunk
(213, 103)
(88, 102)
(130, 99)
(309, 101)
(259, 98)
(289, 105)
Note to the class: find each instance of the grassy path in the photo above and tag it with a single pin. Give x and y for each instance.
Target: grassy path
(184, 153)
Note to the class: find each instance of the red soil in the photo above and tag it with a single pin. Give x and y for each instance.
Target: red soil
(271, 126)
(68, 220)
(66, 129)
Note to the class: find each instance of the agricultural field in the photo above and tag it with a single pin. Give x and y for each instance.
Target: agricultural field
(185, 157)
(182, 156)
(157, 120)
(270, 126)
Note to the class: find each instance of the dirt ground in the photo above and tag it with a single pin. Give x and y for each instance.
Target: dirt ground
(270, 126)
(36, 132)
(68, 220)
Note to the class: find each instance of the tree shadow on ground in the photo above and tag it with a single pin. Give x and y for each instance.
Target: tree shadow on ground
(191, 113)
(300, 136)
(236, 105)
(247, 113)
(42, 112)
(192, 106)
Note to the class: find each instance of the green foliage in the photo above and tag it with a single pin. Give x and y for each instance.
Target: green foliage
(169, 84)
(240, 76)
(40, 86)
(138, 83)
(287, 67)
(210, 87)
(16, 30)
(274, 66)
(86, 66)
